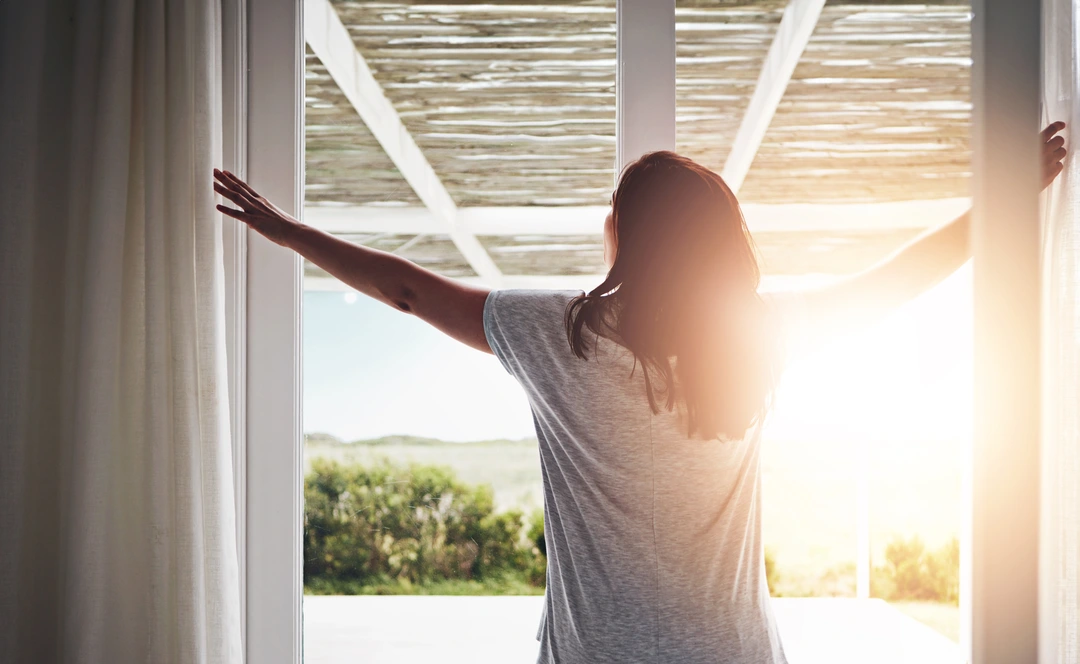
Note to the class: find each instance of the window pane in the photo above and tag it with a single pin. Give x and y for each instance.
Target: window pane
(422, 468)
(868, 147)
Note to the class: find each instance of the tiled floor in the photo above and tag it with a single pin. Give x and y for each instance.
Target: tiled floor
(501, 630)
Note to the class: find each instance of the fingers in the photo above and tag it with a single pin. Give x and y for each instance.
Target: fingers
(226, 188)
(1051, 129)
(241, 185)
(1053, 152)
(1054, 156)
(234, 184)
(233, 196)
(220, 176)
(234, 189)
(235, 214)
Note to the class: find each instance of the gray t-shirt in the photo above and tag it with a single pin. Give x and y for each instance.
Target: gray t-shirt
(653, 539)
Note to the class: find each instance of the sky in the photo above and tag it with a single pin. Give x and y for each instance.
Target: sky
(372, 371)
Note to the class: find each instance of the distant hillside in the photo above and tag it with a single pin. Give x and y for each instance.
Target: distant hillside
(325, 439)
(510, 467)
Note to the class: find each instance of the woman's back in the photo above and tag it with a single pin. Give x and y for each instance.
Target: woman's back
(653, 539)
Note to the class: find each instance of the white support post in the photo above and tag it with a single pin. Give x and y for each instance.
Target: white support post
(792, 36)
(644, 78)
(274, 297)
(1006, 76)
(330, 40)
(862, 520)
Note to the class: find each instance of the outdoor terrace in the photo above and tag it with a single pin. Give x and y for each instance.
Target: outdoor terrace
(498, 630)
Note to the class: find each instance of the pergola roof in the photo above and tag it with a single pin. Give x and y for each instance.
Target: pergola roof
(512, 105)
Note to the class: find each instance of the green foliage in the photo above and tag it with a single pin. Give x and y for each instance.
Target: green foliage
(913, 573)
(390, 529)
(837, 581)
(536, 573)
(382, 527)
(772, 576)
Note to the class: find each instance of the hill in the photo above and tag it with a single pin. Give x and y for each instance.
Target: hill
(511, 467)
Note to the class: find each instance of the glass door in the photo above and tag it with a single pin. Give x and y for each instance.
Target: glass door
(477, 140)
(481, 140)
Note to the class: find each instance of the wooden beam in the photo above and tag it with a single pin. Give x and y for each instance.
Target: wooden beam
(547, 282)
(330, 40)
(586, 282)
(792, 35)
(589, 220)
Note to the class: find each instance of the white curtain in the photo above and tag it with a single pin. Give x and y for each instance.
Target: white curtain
(1059, 619)
(117, 536)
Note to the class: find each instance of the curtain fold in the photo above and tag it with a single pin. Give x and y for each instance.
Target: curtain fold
(117, 522)
(1059, 597)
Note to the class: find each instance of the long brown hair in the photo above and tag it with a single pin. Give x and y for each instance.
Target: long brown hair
(682, 296)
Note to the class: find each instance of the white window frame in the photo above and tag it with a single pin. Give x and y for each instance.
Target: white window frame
(1000, 615)
(270, 421)
(234, 245)
(644, 78)
(264, 110)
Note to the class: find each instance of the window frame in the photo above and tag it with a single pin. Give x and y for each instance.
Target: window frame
(263, 64)
(1000, 572)
(271, 417)
(234, 252)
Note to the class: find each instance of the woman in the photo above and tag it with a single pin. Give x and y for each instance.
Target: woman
(648, 396)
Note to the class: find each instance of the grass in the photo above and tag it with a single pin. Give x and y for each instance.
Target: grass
(508, 584)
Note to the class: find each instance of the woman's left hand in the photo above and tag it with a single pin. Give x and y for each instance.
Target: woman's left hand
(1053, 152)
(260, 214)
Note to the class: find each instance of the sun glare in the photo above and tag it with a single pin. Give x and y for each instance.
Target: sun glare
(906, 377)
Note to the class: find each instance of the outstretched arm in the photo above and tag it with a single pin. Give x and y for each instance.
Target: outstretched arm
(866, 297)
(450, 306)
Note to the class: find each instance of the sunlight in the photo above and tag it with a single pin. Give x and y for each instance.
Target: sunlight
(907, 377)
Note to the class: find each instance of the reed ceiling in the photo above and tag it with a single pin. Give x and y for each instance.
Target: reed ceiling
(514, 104)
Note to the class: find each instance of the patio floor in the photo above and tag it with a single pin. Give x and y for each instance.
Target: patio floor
(501, 630)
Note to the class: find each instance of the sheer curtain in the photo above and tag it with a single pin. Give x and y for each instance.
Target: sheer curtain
(1060, 545)
(117, 539)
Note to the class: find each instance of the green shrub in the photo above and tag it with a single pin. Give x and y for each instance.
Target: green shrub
(913, 573)
(771, 573)
(943, 572)
(837, 581)
(536, 571)
(395, 527)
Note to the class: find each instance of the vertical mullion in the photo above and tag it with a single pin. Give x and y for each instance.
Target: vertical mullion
(862, 520)
(234, 245)
(644, 78)
(274, 297)
(1006, 241)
